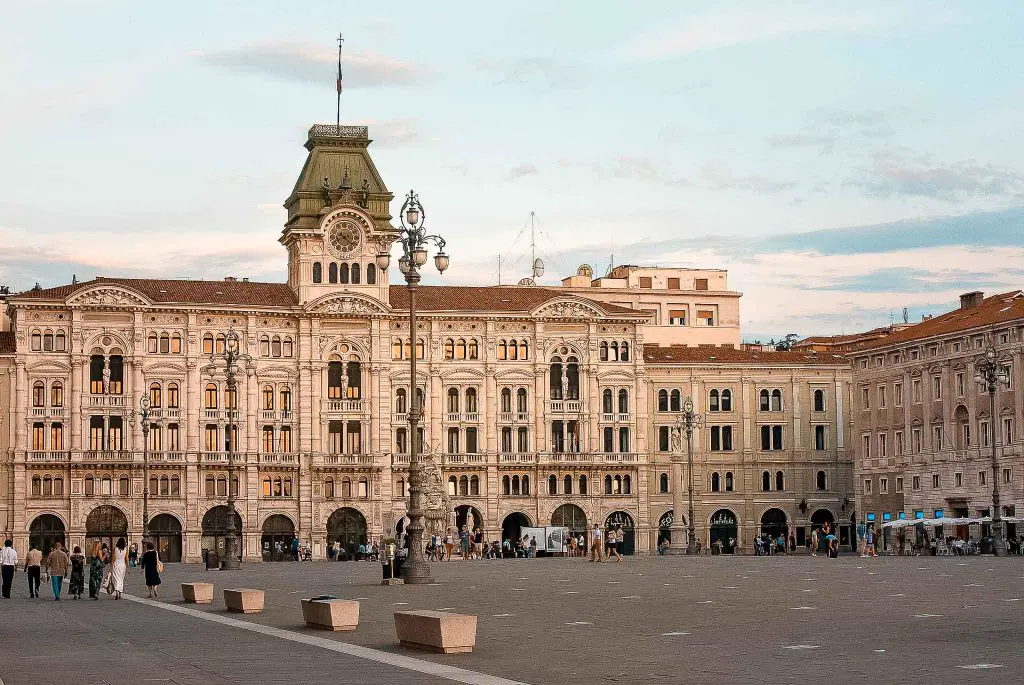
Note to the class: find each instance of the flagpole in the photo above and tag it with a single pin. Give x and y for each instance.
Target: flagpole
(341, 40)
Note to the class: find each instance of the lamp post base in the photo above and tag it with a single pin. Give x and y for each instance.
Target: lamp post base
(230, 560)
(417, 573)
(998, 541)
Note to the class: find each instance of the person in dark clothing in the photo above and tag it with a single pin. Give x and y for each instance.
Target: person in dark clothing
(150, 564)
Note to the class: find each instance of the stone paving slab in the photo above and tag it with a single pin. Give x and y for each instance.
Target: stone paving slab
(677, 620)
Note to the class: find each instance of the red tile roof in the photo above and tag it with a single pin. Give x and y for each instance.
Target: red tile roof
(993, 310)
(249, 293)
(7, 342)
(682, 354)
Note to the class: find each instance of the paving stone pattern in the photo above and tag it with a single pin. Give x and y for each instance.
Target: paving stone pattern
(648, 620)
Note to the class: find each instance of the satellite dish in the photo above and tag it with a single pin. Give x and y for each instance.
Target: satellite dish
(538, 267)
(526, 281)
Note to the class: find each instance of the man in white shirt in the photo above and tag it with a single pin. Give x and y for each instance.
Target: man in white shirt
(8, 563)
(595, 544)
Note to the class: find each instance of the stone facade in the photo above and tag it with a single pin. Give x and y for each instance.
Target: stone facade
(923, 427)
(542, 404)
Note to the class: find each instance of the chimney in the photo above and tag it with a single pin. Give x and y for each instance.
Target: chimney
(230, 279)
(971, 299)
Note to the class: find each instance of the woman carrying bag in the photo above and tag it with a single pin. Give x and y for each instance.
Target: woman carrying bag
(152, 566)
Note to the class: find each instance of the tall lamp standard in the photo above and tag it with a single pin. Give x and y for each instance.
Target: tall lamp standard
(414, 240)
(143, 414)
(229, 361)
(990, 374)
(686, 421)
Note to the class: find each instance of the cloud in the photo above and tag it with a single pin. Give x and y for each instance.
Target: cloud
(720, 177)
(630, 167)
(304, 64)
(733, 24)
(544, 72)
(521, 170)
(828, 128)
(895, 174)
(397, 132)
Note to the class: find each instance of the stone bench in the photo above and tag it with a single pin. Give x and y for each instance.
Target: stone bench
(245, 601)
(436, 631)
(331, 614)
(197, 593)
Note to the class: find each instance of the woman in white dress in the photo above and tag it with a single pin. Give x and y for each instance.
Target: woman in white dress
(119, 567)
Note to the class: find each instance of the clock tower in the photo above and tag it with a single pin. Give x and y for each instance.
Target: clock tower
(338, 218)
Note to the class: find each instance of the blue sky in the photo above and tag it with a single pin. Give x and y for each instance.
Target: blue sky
(842, 159)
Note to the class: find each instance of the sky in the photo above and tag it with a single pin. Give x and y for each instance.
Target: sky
(843, 160)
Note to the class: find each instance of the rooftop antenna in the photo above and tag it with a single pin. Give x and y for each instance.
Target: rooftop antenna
(341, 41)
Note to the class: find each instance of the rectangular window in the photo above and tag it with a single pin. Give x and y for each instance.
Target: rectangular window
(705, 317)
(982, 477)
(664, 442)
(335, 435)
(897, 394)
(882, 445)
(1007, 431)
(673, 284)
(960, 386)
(916, 482)
(883, 486)
(766, 438)
(716, 438)
(211, 440)
(915, 391)
(958, 480)
(645, 282)
(776, 438)
(471, 447)
(506, 439)
(936, 388)
(867, 486)
(897, 443)
(936, 438)
(865, 446)
(881, 397)
(984, 434)
(727, 438)
(38, 436)
(95, 433)
(1009, 377)
(172, 437)
(453, 441)
(608, 439)
(819, 438)
(915, 439)
(899, 484)
(700, 284)
(1007, 475)
(56, 437)
(677, 317)
(865, 399)
(523, 440)
(936, 481)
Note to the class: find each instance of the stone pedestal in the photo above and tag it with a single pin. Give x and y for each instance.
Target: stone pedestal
(436, 631)
(244, 601)
(330, 614)
(197, 593)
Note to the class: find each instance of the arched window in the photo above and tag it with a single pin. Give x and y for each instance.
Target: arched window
(567, 485)
(776, 400)
(473, 350)
(727, 400)
(453, 400)
(211, 487)
(401, 401)
(623, 401)
(356, 274)
(713, 401)
(502, 349)
(47, 486)
(603, 351)
(277, 487)
(288, 486)
(176, 344)
(513, 354)
(210, 396)
(218, 346)
(613, 352)
(222, 486)
(463, 486)
(617, 485)
(474, 486)
(61, 341)
(57, 394)
(275, 347)
(521, 400)
(165, 343)
(286, 399)
(332, 273)
(506, 400)
(820, 482)
(175, 486)
(663, 400)
(48, 341)
(37, 486)
(505, 486)
(266, 485)
(819, 400)
(624, 352)
(728, 481)
(453, 486)
(526, 485)
(524, 350)
(165, 485)
(346, 488)
(420, 348)
(208, 343)
(764, 401)
(714, 482)
(607, 485)
(318, 271)
(288, 347)
(268, 397)
(267, 442)
(515, 485)
(122, 486)
(552, 484)
(606, 401)
(38, 394)
(766, 481)
(151, 343)
(155, 395)
(583, 485)
(58, 486)
(343, 273)
(37, 341)
(371, 274)
(460, 349)
(396, 348)
(329, 488)
(449, 348)
(471, 405)
(675, 403)
(780, 481)
(627, 485)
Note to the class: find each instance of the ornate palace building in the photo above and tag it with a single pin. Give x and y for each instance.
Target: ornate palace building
(543, 405)
(924, 429)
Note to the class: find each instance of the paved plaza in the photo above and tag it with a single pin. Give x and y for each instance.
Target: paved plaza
(671, 620)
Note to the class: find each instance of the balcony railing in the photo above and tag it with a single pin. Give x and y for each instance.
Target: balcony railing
(620, 457)
(349, 459)
(462, 417)
(161, 413)
(108, 455)
(44, 412)
(278, 458)
(567, 457)
(517, 458)
(105, 400)
(343, 406)
(565, 406)
(220, 414)
(50, 456)
(461, 459)
(514, 417)
(167, 456)
(400, 460)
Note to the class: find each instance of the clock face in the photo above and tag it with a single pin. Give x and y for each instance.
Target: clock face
(343, 238)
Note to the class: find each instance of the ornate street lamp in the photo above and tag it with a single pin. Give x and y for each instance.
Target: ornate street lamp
(143, 414)
(990, 374)
(414, 241)
(686, 421)
(230, 362)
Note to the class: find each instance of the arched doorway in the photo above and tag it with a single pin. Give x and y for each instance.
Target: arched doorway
(215, 526)
(773, 522)
(665, 526)
(723, 529)
(276, 541)
(818, 520)
(622, 521)
(106, 523)
(46, 530)
(572, 517)
(348, 527)
(165, 534)
(512, 526)
(468, 516)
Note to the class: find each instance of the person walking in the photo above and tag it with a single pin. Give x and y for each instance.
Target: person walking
(595, 544)
(814, 542)
(33, 562)
(96, 563)
(533, 547)
(119, 567)
(151, 565)
(464, 543)
(613, 544)
(57, 565)
(8, 564)
(76, 586)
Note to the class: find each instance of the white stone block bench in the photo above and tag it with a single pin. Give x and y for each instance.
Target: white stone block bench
(245, 601)
(331, 614)
(436, 631)
(197, 593)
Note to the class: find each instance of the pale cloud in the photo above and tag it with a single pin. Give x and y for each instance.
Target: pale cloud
(630, 167)
(732, 24)
(392, 132)
(720, 177)
(306, 64)
(521, 170)
(896, 173)
(827, 129)
(543, 72)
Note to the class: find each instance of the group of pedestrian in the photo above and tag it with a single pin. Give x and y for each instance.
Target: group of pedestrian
(107, 569)
(609, 541)
(365, 551)
(766, 544)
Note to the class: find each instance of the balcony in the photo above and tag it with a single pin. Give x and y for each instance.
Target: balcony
(108, 455)
(565, 406)
(513, 417)
(220, 415)
(51, 457)
(93, 401)
(567, 457)
(286, 458)
(349, 460)
(400, 461)
(157, 413)
(46, 412)
(463, 417)
(167, 457)
(517, 458)
(621, 458)
(463, 459)
(344, 406)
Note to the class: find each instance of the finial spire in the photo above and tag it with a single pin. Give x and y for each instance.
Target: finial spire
(341, 41)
